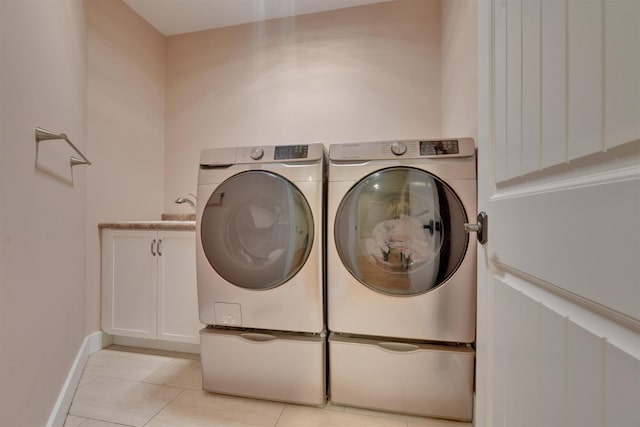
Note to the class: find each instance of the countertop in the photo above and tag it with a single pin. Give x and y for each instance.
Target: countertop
(168, 222)
(149, 225)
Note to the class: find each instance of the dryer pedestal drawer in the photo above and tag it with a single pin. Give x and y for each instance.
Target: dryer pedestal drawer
(264, 365)
(421, 379)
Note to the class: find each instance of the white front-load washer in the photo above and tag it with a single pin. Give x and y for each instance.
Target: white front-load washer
(401, 275)
(259, 258)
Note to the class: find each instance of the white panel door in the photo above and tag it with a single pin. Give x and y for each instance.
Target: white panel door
(559, 177)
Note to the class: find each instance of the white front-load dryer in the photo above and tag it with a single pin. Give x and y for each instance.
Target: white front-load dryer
(399, 261)
(259, 261)
(401, 276)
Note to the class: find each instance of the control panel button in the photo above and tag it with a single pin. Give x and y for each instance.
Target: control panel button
(256, 153)
(398, 148)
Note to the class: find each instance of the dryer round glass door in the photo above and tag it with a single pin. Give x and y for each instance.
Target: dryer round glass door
(257, 230)
(400, 231)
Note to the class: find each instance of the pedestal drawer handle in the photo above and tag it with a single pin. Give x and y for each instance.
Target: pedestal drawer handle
(253, 336)
(398, 346)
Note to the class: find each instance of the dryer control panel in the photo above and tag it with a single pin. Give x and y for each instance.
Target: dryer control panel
(439, 148)
(409, 149)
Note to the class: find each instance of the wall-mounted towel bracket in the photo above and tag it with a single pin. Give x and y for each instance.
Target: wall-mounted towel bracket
(45, 135)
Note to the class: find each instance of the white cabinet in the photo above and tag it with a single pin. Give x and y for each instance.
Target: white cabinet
(149, 284)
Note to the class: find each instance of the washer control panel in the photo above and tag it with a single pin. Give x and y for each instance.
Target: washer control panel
(269, 153)
(278, 152)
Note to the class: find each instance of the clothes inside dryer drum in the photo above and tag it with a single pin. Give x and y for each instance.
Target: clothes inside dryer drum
(257, 230)
(400, 231)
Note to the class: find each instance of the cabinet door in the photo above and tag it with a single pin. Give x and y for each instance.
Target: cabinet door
(129, 283)
(177, 289)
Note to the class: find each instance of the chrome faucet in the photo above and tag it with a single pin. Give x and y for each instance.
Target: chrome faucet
(181, 200)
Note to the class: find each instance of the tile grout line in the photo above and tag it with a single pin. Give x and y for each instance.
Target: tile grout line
(165, 406)
(182, 390)
(280, 416)
(171, 359)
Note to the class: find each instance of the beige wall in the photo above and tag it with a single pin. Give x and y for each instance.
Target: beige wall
(125, 127)
(459, 68)
(370, 72)
(43, 82)
(363, 73)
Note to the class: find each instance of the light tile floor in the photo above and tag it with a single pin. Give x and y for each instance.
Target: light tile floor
(125, 386)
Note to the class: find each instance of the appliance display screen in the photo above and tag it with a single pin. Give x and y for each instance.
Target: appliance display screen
(436, 148)
(291, 152)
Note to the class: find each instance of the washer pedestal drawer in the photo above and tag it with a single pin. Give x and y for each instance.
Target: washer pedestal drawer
(420, 379)
(264, 364)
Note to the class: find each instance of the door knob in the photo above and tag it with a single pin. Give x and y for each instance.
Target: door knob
(480, 228)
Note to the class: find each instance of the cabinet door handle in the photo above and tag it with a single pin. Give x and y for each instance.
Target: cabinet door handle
(153, 243)
(159, 247)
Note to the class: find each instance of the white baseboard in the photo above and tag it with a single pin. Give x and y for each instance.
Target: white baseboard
(91, 344)
(156, 344)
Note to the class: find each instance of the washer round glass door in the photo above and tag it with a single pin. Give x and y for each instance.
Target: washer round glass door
(400, 231)
(257, 230)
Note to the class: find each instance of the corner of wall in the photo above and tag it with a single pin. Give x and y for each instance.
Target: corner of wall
(91, 344)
